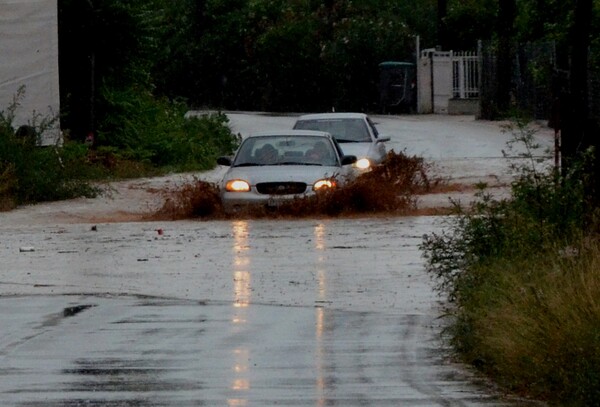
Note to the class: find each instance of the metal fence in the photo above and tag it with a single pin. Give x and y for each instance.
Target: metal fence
(532, 79)
(535, 80)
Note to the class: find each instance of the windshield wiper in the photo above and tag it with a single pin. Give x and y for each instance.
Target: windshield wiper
(249, 165)
(342, 140)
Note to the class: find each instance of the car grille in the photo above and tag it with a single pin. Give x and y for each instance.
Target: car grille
(281, 188)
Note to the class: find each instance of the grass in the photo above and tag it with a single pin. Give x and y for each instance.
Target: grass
(536, 325)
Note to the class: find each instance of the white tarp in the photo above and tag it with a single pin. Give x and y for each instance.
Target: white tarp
(29, 58)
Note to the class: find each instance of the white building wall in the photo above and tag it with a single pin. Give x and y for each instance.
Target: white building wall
(29, 58)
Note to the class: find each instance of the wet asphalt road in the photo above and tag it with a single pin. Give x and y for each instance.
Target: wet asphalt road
(229, 313)
(237, 313)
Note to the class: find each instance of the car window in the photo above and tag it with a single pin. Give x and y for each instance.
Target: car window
(286, 150)
(344, 129)
(338, 148)
(373, 127)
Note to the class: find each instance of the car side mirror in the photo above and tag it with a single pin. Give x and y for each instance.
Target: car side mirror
(224, 160)
(348, 159)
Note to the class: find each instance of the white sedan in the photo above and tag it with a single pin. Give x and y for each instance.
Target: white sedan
(270, 168)
(356, 132)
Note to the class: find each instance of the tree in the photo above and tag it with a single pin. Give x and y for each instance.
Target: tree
(507, 12)
(442, 31)
(579, 131)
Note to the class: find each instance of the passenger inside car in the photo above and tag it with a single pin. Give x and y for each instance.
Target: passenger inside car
(267, 154)
(318, 154)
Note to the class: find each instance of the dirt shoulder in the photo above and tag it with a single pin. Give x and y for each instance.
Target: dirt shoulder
(123, 201)
(136, 200)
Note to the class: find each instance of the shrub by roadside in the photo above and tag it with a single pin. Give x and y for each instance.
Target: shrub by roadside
(30, 173)
(156, 132)
(522, 278)
(156, 140)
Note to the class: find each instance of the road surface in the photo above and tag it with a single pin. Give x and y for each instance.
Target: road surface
(101, 311)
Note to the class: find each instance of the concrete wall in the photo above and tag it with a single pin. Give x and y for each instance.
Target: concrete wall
(424, 83)
(463, 106)
(442, 82)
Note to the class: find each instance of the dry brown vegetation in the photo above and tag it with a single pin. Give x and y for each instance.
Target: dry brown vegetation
(196, 199)
(388, 189)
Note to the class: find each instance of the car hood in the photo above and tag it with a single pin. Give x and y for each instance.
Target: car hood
(282, 173)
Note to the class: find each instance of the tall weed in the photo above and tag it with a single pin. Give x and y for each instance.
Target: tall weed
(536, 324)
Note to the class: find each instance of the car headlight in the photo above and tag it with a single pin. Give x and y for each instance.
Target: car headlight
(363, 163)
(237, 185)
(323, 183)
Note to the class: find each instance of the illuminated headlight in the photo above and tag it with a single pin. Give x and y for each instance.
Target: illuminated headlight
(237, 185)
(323, 183)
(363, 163)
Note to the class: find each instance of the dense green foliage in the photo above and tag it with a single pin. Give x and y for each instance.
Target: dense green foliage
(523, 282)
(296, 55)
(235, 54)
(276, 55)
(156, 131)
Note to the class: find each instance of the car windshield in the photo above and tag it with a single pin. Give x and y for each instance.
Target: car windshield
(344, 130)
(286, 150)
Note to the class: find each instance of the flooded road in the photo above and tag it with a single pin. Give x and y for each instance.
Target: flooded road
(232, 313)
(96, 310)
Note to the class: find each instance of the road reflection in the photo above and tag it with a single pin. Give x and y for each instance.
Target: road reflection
(241, 262)
(278, 314)
(320, 246)
(241, 301)
(240, 383)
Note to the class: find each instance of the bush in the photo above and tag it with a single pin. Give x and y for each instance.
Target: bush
(156, 131)
(31, 173)
(141, 136)
(522, 279)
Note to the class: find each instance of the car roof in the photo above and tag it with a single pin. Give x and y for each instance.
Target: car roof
(321, 116)
(291, 133)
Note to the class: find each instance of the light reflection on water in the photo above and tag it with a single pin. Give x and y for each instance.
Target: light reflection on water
(242, 289)
(241, 301)
(320, 382)
(241, 263)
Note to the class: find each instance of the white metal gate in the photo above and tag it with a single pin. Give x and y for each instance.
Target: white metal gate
(445, 77)
(465, 75)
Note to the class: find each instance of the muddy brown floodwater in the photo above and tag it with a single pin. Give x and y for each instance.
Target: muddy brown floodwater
(99, 307)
